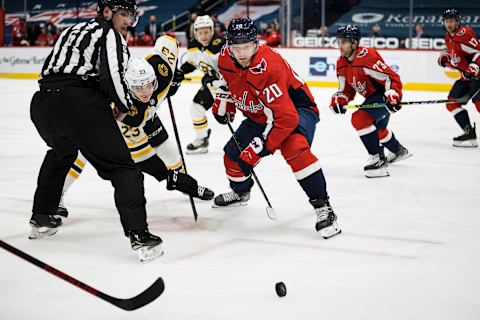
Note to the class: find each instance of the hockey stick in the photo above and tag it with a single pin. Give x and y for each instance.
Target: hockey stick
(461, 100)
(405, 103)
(144, 298)
(270, 212)
(179, 146)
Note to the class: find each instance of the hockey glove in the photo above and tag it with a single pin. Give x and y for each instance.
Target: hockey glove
(254, 151)
(339, 100)
(393, 100)
(209, 78)
(178, 77)
(223, 111)
(444, 59)
(472, 71)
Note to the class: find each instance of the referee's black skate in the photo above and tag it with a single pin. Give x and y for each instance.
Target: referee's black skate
(326, 218)
(43, 225)
(468, 139)
(231, 199)
(146, 245)
(199, 145)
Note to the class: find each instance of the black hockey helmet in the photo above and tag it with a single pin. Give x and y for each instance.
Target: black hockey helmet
(241, 30)
(350, 31)
(451, 13)
(115, 5)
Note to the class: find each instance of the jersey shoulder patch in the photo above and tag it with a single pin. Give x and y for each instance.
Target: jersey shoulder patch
(261, 67)
(216, 44)
(162, 68)
(362, 53)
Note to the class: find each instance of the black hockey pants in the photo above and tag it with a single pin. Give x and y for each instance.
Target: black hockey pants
(71, 114)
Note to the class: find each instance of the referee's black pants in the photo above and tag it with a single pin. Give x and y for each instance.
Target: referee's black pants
(71, 114)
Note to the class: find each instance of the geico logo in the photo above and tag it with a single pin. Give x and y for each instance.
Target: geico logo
(425, 43)
(329, 42)
(380, 43)
(314, 42)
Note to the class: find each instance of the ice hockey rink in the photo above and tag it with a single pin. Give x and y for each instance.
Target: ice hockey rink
(410, 247)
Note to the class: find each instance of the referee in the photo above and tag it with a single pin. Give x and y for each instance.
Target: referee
(80, 78)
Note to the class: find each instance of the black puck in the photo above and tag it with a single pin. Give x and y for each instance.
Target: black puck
(281, 289)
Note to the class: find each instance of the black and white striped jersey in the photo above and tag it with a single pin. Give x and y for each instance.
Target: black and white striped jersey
(93, 49)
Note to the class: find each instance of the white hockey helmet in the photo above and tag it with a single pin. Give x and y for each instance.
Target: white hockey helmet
(203, 22)
(140, 74)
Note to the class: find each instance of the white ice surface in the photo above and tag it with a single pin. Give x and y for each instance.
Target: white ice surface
(410, 247)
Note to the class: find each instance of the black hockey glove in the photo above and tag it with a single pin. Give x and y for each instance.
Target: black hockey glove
(178, 77)
(209, 77)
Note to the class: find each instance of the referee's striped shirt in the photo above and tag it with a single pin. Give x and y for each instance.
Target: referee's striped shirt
(93, 49)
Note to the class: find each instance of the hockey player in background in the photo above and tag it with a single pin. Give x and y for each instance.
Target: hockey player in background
(150, 81)
(361, 70)
(462, 54)
(202, 54)
(280, 115)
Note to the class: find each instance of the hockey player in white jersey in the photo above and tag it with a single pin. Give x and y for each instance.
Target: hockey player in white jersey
(202, 54)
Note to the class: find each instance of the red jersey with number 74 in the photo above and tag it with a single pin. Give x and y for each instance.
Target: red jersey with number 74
(268, 92)
(366, 74)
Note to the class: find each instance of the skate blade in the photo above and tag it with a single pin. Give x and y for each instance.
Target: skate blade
(233, 205)
(149, 253)
(377, 173)
(465, 144)
(198, 151)
(400, 158)
(271, 214)
(42, 232)
(331, 231)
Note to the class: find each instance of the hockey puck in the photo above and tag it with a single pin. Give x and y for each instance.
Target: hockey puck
(281, 289)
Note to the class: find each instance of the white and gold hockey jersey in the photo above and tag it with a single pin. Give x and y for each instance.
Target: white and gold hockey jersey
(203, 58)
(141, 128)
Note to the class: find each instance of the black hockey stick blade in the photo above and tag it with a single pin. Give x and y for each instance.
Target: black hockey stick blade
(144, 298)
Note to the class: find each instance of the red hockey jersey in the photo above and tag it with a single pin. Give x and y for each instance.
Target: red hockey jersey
(366, 74)
(268, 91)
(463, 48)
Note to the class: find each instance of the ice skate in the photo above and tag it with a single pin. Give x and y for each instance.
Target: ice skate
(204, 193)
(376, 166)
(146, 245)
(231, 199)
(43, 226)
(61, 209)
(468, 139)
(401, 154)
(199, 145)
(326, 218)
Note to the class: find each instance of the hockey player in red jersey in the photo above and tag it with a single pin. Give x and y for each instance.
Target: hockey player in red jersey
(362, 70)
(280, 115)
(463, 54)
